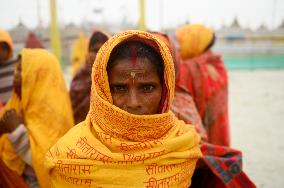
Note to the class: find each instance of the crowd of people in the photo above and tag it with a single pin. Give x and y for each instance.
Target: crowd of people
(143, 110)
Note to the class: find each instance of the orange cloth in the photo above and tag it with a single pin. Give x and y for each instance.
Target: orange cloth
(5, 37)
(193, 39)
(79, 52)
(45, 105)
(9, 156)
(113, 148)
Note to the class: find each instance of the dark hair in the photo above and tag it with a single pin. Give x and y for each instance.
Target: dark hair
(97, 37)
(211, 43)
(126, 49)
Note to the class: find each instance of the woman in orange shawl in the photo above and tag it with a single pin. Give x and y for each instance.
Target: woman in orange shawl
(204, 76)
(130, 138)
(7, 66)
(81, 84)
(38, 113)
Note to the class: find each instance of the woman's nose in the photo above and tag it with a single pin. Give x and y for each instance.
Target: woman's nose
(133, 102)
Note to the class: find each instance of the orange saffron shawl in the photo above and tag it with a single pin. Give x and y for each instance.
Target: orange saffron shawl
(113, 148)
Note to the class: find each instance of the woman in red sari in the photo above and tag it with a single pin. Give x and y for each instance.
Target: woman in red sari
(81, 84)
(220, 166)
(203, 74)
(183, 104)
(33, 41)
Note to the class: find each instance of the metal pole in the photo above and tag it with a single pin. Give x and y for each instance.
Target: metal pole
(55, 37)
(142, 25)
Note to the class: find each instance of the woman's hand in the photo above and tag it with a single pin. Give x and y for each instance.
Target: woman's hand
(10, 121)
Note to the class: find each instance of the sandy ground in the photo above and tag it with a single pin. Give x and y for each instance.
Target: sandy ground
(257, 124)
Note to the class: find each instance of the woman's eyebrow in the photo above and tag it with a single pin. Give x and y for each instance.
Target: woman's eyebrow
(117, 83)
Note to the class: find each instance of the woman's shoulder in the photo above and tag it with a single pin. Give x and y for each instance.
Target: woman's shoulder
(66, 143)
(73, 134)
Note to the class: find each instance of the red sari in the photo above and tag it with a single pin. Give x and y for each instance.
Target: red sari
(220, 167)
(9, 178)
(33, 41)
(205, 78)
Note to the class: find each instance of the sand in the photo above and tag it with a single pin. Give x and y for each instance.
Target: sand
(257, 123)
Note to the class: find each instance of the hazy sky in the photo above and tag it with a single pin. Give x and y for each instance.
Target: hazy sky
(159, 13)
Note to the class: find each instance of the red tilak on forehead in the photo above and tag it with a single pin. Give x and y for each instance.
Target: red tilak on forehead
(133, 55)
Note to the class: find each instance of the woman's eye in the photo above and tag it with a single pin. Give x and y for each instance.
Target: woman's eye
(118, 88)
(148, 88)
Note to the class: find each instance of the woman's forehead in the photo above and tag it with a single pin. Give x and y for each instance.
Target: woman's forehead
(125, 70)
(126, 65)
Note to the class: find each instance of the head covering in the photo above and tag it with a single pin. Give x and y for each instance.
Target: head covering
(119, 149)
(79, 52)
(33, 42)
(5, 37)
(174, 51)
(193, 39)
(45, 105)
(80, 88)
(98, 36)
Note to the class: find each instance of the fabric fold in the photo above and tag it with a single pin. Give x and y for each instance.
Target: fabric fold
(113, 148)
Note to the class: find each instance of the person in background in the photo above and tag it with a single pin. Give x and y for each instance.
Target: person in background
(78, 54)
(10, 178)
(36, 116)
(81, 84)
(183, 104)
(7, 66)
(6, 85)
(204, 76)
(130, 138)
(33, 41)
(219, 166)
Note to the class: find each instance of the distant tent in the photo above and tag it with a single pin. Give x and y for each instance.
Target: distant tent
(33, 42)
(281, 25)
(235, 23)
